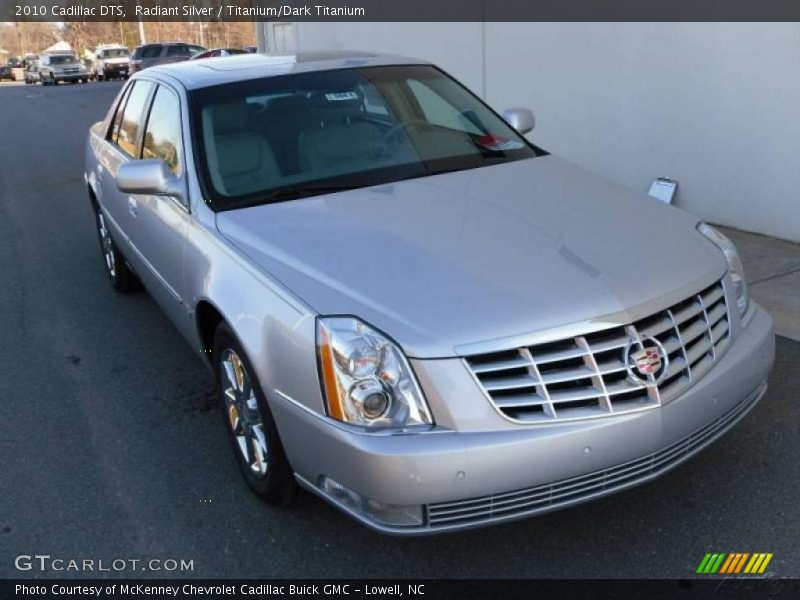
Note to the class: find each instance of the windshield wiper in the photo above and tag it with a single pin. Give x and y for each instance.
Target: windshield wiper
(306, 191)
(291, 194)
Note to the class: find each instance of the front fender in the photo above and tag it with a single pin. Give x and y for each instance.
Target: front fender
(276, 330)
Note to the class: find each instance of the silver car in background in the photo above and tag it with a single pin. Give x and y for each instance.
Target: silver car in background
(409, 309)
(60, 68)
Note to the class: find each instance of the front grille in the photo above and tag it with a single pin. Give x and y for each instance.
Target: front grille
(586, 376)
(549, 496)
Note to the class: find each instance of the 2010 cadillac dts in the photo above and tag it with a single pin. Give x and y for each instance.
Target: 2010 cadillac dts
(411, 310)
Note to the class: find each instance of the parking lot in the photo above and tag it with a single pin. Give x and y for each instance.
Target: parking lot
(110, 446)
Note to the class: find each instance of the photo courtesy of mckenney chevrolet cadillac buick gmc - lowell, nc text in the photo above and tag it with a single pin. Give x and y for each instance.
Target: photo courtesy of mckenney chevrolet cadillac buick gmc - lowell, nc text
(410, 310)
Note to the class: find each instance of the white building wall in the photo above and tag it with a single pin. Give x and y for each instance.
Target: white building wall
(715, 106)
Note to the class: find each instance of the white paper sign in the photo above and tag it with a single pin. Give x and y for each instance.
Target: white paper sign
(663, 189)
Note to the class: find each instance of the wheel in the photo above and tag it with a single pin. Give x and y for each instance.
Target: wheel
(119, 273)
(251, 428)
(99, 77)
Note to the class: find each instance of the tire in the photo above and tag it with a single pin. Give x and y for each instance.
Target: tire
(120, 276)
(99, 77)
(257, 449)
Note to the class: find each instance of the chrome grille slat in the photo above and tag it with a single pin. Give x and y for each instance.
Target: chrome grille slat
(695, 330)
(620, 342)
(585, 376)
(548, 357)
(518, 400)
(583, 393)
(684, 314)
(719, 330)
(698, 350)
(711, 296)
(501, 365)
(510, 383)
(717, 313)
(567, 374)
(672, 344)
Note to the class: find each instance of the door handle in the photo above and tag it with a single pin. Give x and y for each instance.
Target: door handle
(133, 206)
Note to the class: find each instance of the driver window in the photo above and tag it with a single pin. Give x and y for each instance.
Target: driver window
(162, 138)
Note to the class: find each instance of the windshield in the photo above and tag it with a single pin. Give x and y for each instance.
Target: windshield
(291, 136)
(115, 53)
(62, 60)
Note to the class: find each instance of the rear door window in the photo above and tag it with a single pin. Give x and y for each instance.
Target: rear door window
(150, 52)
(177, 50)
(114, 133)
(132, 118)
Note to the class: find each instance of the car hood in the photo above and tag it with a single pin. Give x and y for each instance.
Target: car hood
(120, 60)
(449, 263)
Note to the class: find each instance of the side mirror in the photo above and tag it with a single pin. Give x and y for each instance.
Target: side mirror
(520, 119)
(150, 176)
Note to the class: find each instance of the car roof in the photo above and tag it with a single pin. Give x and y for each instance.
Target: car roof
(216, 71)
(167, 44)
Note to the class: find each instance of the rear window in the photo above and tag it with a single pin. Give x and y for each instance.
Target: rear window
(118, 115)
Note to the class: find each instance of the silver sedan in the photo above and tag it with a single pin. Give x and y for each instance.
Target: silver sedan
(410, 309)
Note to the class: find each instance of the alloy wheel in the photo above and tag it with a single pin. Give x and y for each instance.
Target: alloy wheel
(106, 244)
(244, 417)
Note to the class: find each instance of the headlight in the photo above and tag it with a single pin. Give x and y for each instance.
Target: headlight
(734, 264)
(366, 377)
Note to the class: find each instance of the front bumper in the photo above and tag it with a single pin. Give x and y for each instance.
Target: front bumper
(466, 479)
(115, 71)
(60, 77)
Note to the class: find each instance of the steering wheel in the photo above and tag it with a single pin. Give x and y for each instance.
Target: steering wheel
(384, 141)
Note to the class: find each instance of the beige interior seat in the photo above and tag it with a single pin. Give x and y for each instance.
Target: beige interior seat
(244, 158)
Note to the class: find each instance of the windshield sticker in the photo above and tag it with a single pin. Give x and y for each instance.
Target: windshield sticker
(498, 143)
(341, 96)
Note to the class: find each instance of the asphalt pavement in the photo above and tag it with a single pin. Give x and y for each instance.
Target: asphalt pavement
(111, 447)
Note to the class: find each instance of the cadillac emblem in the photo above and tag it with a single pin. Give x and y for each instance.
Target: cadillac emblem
(646, 361)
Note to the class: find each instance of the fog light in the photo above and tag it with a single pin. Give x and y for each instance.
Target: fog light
(397, 515)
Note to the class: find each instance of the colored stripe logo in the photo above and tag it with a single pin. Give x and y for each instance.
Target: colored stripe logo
(734, 563)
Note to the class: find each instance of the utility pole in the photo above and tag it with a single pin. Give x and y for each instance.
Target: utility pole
(19, 40)
(142, 39)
